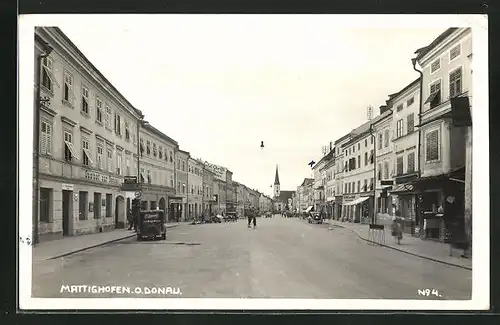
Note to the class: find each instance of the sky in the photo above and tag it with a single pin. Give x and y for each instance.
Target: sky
(220, 85)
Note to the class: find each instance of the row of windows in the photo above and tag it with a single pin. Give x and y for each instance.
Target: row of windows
(350, 187)
(350, 164)
(409, 102)
(453, 54)
(352, 149)
(455, 88)
(160, 153)
(410, 125)
(103, 109)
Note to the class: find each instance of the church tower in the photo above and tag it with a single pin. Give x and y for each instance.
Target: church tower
(276, 184)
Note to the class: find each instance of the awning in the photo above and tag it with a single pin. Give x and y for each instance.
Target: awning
(309, 208)
(72, 149)
(403, 188)
(87, 153)
(358, 201)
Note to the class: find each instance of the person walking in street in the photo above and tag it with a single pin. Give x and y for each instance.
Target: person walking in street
(397, 232)
(130, 219)
(252, 219)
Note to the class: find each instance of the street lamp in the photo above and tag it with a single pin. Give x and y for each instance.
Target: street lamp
(48, 49)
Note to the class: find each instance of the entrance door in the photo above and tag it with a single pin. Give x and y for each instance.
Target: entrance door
(67, 209)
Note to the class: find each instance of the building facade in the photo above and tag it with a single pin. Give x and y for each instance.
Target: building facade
(305, 195)
(209, 201)
(179, 204)
(404, 168)
(195, 195)
(156, 168)
(444, 129)
(87, 133)
(384, 163)
(339, 175)
(329, 182)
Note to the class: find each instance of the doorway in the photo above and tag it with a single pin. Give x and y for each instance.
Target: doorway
(120, 212)
(67, 212)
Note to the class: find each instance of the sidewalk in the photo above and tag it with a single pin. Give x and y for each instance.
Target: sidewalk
(74, 244)
(427, 249)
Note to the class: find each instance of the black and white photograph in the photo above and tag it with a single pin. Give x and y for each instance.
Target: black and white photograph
(253, 162)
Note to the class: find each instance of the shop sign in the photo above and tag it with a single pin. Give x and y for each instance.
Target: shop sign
(67, 187)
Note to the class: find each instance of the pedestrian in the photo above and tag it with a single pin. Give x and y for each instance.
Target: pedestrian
(397, 232)
(252, 219)
(130, 219)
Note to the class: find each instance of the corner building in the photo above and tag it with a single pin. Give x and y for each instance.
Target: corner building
(87, 142)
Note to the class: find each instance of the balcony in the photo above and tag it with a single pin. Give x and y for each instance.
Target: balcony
(437, 106)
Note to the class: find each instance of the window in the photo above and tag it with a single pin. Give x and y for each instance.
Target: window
(379, 172)
(118, 124)
(386, 170)
(45, 137)
(410, 124)
(192, 189)
(118, 163)
(456, 83)
(127, 132)
(83, 202)
(178, 163)
(455, 52)
(371, 184)
(107, 117)
(399, 128)
(435, 95)
(149, 176)
(410, 101)
(432, 149)
(399, 165)
(380, 139)
(411, 162)
(359, 161)
(435, 65)
(98, 111)
(183, 188)
(69, 95)
(171, 156)
(134, 138)
(171, 180)
(366, 158)
(69, 148)
(148, 147)
(365, 185)
(87, 159)
(85, 100)
(110, 161)
(154, 150)
(359, 146)
(359, 186)
(160, 152)
(127, 165)
(366, 143)
(399, 108)
(46, 204)
(100, 152)
(97, 205)
(183, 166)
(371, 157)
(386, 136)
(47, 75)
(109, 205)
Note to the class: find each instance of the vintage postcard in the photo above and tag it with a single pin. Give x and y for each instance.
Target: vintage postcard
(256, 162)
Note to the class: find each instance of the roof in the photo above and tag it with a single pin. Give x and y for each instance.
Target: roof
(364, 129)
(276, 177)
(285, 195)
(327, 157)
(421, 52)
(342, 138)
(307, 181)
(159, 133)
(412, 84)
(67, 39)
(184, 152)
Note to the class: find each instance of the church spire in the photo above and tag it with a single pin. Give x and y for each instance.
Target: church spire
(276, 178)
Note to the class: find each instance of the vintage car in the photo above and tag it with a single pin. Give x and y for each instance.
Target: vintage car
(315, 217)
(151, 225)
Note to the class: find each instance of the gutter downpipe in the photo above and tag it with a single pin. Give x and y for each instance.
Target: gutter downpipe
(36, 142)
(420, 104)
(374, 183)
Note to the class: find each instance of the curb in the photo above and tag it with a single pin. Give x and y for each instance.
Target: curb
(406, 252)
(97, 245)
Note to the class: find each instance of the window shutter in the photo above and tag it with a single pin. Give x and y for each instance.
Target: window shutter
(114, 114)
(48, 138)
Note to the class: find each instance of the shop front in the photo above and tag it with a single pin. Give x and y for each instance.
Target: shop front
(440, 206)
(357, 208)
(175, 209)
(404, 206)
(338, 207)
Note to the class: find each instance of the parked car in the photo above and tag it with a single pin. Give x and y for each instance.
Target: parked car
(315, 217)
(151, 225)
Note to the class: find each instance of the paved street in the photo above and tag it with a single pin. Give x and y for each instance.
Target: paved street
(282, 258)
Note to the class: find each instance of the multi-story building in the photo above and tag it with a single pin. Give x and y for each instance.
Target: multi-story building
(305, 195)
(195, 181)
(208, 194)
(404, 165)
(384, 163)
(87, 134)
(180, 206)
(156, 168)
(329, 183)
(339, 174)
(240, 199)
(358, 174)
(319, 187)
(230, 192)
(444, 127)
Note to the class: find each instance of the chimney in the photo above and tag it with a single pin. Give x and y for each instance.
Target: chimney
(383, 108)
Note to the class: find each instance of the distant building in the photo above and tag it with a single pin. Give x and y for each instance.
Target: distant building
(283, 200)
(305, 195)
